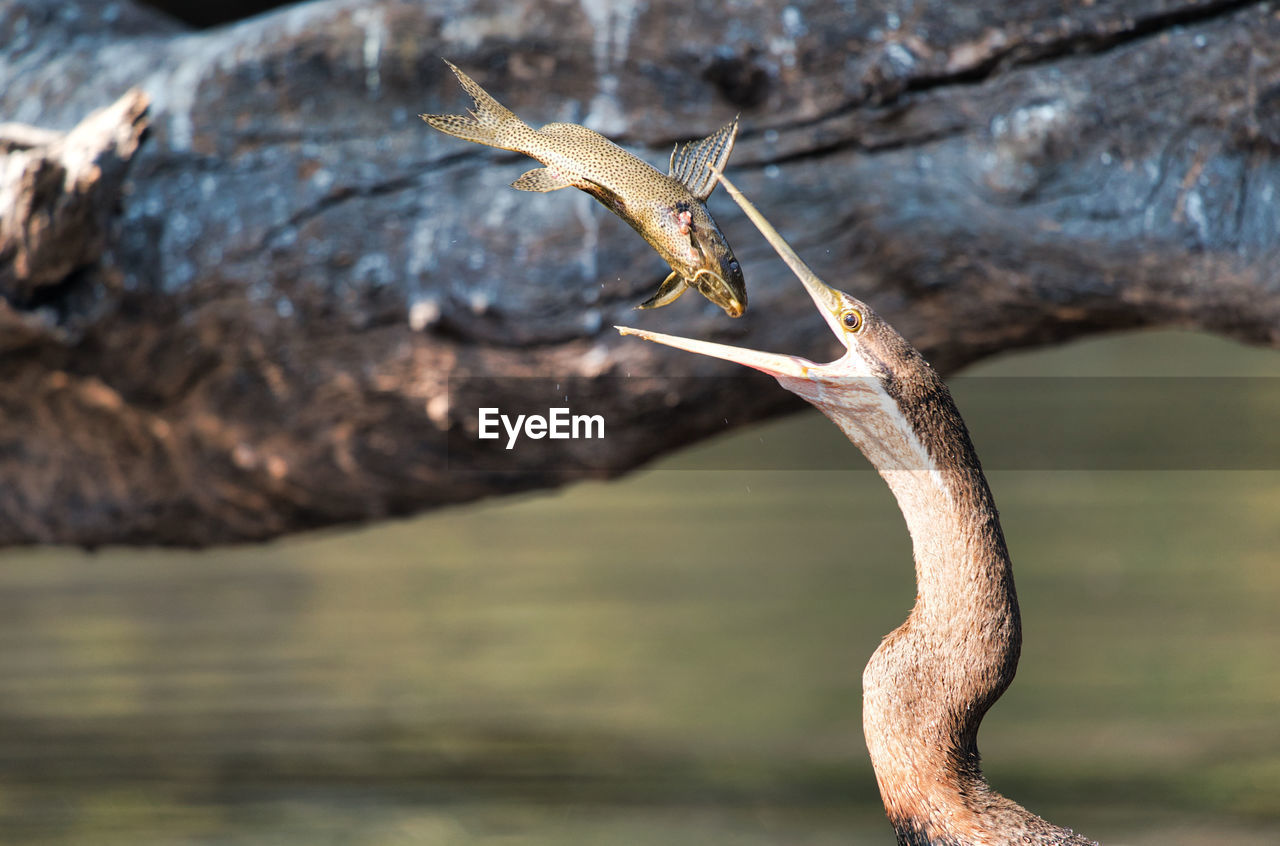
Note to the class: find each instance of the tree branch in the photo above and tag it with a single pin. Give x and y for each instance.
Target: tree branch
(302, 287)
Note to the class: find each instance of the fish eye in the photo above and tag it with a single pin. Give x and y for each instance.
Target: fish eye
(733, 266)
(852, 320)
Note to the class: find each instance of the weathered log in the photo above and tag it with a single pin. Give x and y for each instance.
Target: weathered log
(299, 266)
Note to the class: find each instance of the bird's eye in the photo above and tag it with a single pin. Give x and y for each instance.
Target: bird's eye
(852, 320)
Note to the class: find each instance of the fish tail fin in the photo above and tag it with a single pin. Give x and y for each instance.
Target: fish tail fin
(489, 122)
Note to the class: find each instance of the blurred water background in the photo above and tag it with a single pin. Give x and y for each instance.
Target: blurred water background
(673, 658)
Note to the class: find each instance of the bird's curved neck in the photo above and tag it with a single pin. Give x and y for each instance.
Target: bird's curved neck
(964, 578)
(929, 684)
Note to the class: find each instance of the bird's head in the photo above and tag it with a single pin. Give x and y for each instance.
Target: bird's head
(860, 331)
(881, 391)
(874, 352)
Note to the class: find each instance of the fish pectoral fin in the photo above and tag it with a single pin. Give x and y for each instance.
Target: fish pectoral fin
(611, 199)
(540, 179)
(668, 292)
(692, 163)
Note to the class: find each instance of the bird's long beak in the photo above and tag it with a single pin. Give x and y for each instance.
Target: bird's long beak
(825, 298)
(771, 363)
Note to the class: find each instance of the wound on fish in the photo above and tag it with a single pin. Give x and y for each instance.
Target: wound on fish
(667, 209)
(685, 219)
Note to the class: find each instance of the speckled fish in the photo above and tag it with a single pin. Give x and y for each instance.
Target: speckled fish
(668, 209)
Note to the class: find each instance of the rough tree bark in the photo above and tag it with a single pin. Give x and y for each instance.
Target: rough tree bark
(262, 339)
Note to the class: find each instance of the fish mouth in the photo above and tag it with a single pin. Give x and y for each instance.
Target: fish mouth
(714, 287)
(718, 277)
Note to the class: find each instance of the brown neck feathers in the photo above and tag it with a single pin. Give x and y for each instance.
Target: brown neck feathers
(929, 684)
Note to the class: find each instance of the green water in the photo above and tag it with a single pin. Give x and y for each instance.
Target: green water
(669, 659)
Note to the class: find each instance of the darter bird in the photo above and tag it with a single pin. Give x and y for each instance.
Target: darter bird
(931, 681)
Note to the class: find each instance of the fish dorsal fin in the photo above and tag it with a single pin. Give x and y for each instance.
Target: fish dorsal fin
(692, 163)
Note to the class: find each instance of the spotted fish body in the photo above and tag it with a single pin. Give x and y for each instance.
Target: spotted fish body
(667, 209)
